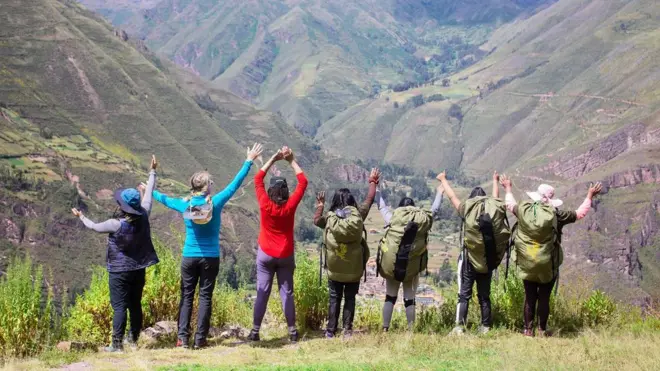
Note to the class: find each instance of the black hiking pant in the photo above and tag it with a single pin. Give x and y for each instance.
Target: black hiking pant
(126, 296)
(537, 293)
(348, 291)
(202, 271)
(467, 277)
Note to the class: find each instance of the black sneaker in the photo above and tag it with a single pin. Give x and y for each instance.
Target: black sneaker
(254, 336)
(201, 344)
(180, 343)
(293, 337)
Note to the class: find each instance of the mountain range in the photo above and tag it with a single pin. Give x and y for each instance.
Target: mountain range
(563, 92)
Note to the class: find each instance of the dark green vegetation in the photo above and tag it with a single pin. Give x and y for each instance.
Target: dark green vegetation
(311, 59)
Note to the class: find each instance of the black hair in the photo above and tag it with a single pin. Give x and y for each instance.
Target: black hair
(406, 201)
(477, 192)
(279, 193)
(341, 199)
(121, 214)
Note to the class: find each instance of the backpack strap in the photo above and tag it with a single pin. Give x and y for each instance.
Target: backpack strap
(512, 241)
(362, 245)
(322, 250)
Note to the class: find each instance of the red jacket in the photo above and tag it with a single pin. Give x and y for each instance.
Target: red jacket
(276, 234)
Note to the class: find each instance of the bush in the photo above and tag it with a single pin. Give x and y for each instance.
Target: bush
(598, 309)
(230, 307)
(90, 319)
(28, 319)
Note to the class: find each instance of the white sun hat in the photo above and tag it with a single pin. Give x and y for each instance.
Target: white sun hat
(545, 194)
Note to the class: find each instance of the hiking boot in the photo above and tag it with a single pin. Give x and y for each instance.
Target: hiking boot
(201, 344)
(528, 332)
(483, 330)
(457, 331)
(347, 333)
(544, 333)
(114, 348)
(253, 336)
(293, 336)
(180, 343)
(386, 329)
(329, 334)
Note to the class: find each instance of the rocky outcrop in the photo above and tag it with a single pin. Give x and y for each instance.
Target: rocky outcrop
(350, 173)
(577, 163)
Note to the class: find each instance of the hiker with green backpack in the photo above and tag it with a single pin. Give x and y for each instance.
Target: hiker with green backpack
(485, 236)
(537, 243)
(345, 249)
(402, 253)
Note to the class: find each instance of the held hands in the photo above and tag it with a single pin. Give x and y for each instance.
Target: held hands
(288, 154)
(594, 190)
(254, 152)
(374, 176)
(442, 177)
(320, 199)
(77, 213)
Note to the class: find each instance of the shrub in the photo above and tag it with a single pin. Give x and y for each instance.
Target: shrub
(90, 318)
(162, 288)
(27, 317)
(598, 309)
(230, 307)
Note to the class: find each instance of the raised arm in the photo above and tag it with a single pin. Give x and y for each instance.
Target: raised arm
(176, 204)
(222, 197)
(442, 177)
(108, 226)
(298, 194)
(148, 189)
(319, 218)
(583, 210)
(437, 203)
(385, 210)
(509, 200)
(374, 179)
(496, 184)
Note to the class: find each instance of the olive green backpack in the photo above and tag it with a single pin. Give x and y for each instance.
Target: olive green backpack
(486, 232)
(345, 246)
(537, 255)
(402, 253)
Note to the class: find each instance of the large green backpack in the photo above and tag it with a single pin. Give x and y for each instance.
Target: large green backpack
(486, 232)
(535, 242)
(346, 251)
(402, 252)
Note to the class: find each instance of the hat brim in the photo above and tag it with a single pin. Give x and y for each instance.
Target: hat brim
(125, 207)
(535, 196)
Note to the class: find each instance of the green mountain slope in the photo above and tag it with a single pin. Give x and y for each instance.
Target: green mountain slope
(567, 96)
(310, 59)
(82, 108)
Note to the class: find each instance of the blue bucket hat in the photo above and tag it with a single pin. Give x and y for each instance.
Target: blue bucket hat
(129, 200)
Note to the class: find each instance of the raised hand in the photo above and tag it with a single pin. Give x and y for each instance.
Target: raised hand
(154, 163)
(595, 189)
(496, 177)
(277, 156)
(505, 181)
(255, 151)
(320, 199)
(77, 213)
(142, 187)
(374, 176)
(442, 176)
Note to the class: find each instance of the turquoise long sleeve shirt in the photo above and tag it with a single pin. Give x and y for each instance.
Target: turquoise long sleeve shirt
(203, 240)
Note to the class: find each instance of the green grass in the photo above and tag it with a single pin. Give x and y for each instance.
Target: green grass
(499, 350)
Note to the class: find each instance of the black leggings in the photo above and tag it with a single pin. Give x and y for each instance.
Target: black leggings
(126, 295)
(537, 292)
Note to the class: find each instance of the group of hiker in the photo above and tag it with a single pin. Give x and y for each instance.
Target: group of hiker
(486, 238)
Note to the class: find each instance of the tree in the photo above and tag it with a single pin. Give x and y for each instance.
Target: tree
(446, 83)
(456, 112)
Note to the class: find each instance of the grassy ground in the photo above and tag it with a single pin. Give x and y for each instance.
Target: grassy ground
(499, 350)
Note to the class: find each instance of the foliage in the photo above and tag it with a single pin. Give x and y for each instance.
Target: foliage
(231, 306)
(598, 309)
(90, 318)
(28, 318)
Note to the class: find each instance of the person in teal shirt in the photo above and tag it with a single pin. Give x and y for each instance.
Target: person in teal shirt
(201, 250)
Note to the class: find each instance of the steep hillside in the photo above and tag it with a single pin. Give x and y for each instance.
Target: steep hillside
(567, 96)
(82, 108)
(310, 59)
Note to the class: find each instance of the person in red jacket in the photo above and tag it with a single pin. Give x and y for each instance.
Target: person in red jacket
(276, 241)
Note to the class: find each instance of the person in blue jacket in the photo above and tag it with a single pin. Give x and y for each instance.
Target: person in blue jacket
(201, 250)
(130, 252)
